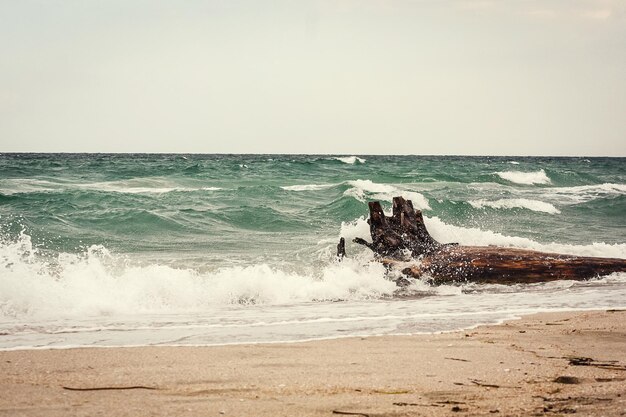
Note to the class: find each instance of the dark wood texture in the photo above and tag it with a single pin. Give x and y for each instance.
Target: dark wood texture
(341, 249)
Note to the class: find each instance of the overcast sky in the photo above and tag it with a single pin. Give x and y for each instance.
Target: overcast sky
(475, 77)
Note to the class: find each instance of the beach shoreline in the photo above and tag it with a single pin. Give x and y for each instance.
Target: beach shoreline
(544, 364)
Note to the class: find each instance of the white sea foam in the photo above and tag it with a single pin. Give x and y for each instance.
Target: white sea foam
(351, 160)
(584, 193)
(527, 178)
(13, 186)
(419, 201)
(477, 237)
(364, 189)
(96, 283)
(132, 186)
(307, 187)
(534, 205)
(355, 228)
(554, 195)
(363, 186)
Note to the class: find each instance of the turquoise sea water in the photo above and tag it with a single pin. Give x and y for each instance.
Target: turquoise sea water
(209, 249)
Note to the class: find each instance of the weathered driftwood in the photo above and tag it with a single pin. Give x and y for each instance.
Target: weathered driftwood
(402, 241)
(341, 249)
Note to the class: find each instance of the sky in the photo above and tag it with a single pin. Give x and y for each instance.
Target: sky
(424, 77)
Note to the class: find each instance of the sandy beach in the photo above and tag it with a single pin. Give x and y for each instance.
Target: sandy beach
(545, 364)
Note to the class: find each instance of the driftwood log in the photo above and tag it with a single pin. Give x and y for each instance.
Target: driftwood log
(402, 241)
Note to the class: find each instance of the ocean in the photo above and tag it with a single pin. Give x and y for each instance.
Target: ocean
(173, 249)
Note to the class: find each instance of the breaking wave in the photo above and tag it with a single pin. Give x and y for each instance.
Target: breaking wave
(478, 237)
(366, 189)
(351, 160)
(526, 178)
(585, 193)
(99, 283)
(534, 205)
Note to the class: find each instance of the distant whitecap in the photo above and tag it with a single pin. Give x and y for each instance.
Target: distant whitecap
(350, 159)
(526, 178)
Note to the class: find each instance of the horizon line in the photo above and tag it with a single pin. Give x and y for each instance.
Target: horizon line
(302, 154)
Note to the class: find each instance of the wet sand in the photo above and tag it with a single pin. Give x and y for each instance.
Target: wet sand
(546, 364)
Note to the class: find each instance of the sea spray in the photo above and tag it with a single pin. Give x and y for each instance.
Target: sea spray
(98, 283)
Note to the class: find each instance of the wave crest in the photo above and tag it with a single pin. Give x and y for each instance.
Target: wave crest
(307, 187)
(526, 178)
(585, 193)
(534, 205)
(472, 236)
(98, 283)
(362, 189)
(350, 160)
